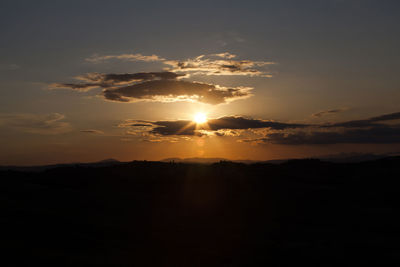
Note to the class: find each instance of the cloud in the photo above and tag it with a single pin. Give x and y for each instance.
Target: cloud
(155, 86)
(221, 126)
(92, 131)
(238, 122)
(212, 64)
(219, 64)
(373, 135)
(37, 124)
(372, 130)
(368, 131)
(328, 112)
(81, 87)
(169, 139)
(125, 57)
(141, 125)
(374, 121)
(230, 37)
(136, 123)
(170, 85)
(386, 117)
(109, 80)
(175, 90)
(225, 55)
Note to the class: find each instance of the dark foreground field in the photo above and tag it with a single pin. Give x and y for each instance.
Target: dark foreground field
(225, 214)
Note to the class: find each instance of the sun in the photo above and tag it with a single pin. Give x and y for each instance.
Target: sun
(200, 118)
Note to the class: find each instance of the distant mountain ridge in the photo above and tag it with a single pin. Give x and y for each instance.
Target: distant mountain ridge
(335, 158)
(102, 163)
(194, 160)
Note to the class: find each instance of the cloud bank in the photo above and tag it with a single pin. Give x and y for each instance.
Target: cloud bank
(155, 86)
(187, 127)
(174, 90)
(373, 135)
(375, 130)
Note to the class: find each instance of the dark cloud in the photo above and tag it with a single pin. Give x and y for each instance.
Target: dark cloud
(82, 87)
(175, 90)
(374, 121)
(141, 125)
(155, 86)
(187, 127)
(370, 130)
(328, 112)
(386, 117)
(237, 122)
(367, 131)
(92, 131)
(373, 135)
(180, 127)
(111, 80)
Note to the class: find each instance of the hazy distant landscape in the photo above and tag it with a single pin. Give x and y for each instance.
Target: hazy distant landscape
(220, 214)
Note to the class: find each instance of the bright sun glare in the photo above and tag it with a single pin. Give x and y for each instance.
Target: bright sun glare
(200, 118)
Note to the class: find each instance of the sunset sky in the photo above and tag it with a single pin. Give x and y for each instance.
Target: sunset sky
(83, 81)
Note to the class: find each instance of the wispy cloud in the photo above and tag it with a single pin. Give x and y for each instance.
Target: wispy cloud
(219, 64)
(328, 112)
(224, 55)
(212, 64)
(80, 87)
(92, 131)
(36, 123)
(125, 57)
(231, 37)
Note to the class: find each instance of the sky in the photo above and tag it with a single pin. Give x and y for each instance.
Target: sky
(83, 81)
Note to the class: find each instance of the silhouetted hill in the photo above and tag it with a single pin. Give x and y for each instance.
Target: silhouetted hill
(337, 158)
(142, 213)
(355, 157)
(194, 160)
(102, 163)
